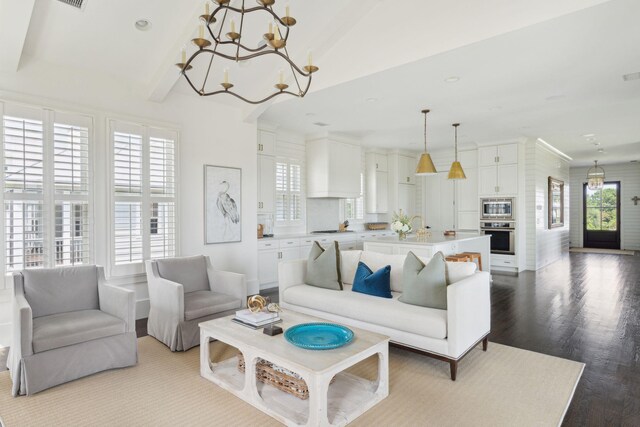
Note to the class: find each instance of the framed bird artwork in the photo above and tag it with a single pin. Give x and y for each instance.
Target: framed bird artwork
(222, 204)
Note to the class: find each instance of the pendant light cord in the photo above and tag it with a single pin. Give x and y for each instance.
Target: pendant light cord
(425, 131)
(456, 129)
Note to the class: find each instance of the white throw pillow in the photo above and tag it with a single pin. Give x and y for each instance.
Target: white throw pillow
(349, 265)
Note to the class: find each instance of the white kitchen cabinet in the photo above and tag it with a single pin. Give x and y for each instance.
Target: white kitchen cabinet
(288, 254)
(505, 154)
(407, 198)
(268, 265)
(499, 180)
(377, 197)
(333, 169)
(406, 170)
(508, 180)
(266, 143)
(379, 162)
(266, 184)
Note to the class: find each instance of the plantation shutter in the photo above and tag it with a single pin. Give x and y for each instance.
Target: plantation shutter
(282, 196)
(162, 222)
(71, 189)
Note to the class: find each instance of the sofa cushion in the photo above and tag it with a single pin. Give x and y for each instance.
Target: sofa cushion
(323, 267)
(190, 272)
(372, 283)
(204, 303)
(348, 265)
(376, 261)
(391, 313)
(60, 290)
(425, 285)
(74, 327)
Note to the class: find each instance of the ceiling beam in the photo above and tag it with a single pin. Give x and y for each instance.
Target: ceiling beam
(168, 74)
(15, 17)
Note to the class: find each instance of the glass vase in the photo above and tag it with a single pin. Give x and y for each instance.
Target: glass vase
(402, 235)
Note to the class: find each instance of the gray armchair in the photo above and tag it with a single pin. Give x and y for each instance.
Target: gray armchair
(186, 291)
(67, 324)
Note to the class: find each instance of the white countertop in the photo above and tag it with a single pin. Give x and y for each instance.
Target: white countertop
(354, 233)
(437, 237)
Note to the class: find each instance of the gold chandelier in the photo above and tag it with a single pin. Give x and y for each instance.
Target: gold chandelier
(225, 37)
(595, 177)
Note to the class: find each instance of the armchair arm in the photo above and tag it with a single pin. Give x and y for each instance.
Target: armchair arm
(22, 321)
(226, 282)
(290, 273)
(165, 297)
(468, 312)
(116, 301)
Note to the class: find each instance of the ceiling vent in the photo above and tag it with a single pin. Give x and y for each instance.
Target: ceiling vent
(632, 76)
(78, 4)
(321, 124)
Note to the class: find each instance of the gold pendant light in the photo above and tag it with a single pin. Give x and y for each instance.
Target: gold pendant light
(456, 171)
(425, 165)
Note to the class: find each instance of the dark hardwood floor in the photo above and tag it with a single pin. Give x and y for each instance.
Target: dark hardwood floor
(585, 307)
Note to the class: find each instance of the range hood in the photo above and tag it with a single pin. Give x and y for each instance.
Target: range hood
(333, 167)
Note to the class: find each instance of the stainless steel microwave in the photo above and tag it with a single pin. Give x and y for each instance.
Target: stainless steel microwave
(497, 208)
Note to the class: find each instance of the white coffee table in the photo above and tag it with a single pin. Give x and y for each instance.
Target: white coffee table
(336, 404)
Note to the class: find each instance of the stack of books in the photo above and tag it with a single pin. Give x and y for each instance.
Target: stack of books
(256, 320)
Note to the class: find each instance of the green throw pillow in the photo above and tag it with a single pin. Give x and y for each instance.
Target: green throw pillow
(323, 267)
(425, 285)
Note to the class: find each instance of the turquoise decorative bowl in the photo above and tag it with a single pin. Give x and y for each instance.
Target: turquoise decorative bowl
(319, 336)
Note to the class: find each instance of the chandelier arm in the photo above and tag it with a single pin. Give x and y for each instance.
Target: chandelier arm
(230, 92)
(251, 56)
(250, 10)
(292, 71)
(240, 33)
(206, 77)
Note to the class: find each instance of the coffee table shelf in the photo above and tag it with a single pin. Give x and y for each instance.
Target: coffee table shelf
(337, 403)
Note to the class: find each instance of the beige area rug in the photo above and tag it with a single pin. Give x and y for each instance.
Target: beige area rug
(601, 251)
(503, 387)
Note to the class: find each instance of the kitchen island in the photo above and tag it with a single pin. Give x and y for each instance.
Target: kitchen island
(448, 245)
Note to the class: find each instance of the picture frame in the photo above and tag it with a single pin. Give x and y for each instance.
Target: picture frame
(555, 203)
(222, 204)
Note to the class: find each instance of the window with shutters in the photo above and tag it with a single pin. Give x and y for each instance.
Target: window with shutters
(354, 208)
(45, 189)
(288, 191)
(144, 193)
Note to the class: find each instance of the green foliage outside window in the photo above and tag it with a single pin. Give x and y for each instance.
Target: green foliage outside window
(602, 212)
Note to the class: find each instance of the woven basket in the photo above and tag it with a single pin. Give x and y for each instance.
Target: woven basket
(377, 225)
(287, 383)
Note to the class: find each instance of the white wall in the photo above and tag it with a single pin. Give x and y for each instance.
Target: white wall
(544, 245)
(210, 133)
(629, 176)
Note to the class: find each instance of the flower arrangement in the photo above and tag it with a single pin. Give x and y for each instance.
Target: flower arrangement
(401, 224)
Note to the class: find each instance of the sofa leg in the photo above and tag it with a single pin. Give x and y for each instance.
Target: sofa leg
(485, 343)
(453, 364)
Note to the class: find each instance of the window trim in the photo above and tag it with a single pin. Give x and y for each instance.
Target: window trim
(114, 124)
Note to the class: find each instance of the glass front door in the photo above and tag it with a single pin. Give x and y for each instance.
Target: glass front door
(602, 216)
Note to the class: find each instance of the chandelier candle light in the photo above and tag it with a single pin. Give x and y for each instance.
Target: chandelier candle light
(425, 165)
(456, 171)
(231, 47)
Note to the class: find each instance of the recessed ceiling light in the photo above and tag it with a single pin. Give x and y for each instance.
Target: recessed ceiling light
(591, 139)
(321, 124)
(372, 99)
(310, 114)
(632, 76)
(452, 79)
(589, 135)
(143, 24)
(600, 150)
(596, 144)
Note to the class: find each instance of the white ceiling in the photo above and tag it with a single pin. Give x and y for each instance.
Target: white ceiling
(557, 80)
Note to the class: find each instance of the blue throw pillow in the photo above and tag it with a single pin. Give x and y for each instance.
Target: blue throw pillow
(377, 284)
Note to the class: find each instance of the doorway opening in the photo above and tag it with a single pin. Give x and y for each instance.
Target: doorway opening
(601, 228)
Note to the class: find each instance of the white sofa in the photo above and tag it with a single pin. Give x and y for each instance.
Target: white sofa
(444, 334)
